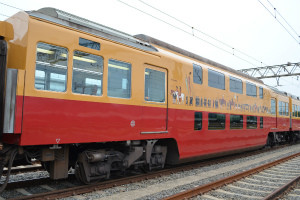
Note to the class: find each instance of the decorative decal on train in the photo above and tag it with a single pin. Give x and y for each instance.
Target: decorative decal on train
(178, 97)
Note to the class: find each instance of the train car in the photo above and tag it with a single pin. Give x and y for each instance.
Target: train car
(78, 94)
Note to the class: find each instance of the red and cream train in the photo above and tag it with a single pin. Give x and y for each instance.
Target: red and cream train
(75, 93)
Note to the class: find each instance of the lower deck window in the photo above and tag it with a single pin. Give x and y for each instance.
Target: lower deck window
(261, 122)
(236, 121)
(251, 122)
(198, 121)
(216, 121)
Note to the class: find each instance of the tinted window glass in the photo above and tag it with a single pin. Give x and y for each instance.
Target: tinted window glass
(261, 122)
(216, 79)
(273, 107)
(251, 89)
(216, 121)
(261, 92)
(197, 74)
(198, 121)
(298, 111)
(87, 73)
(51, 68)
(119, 79)
(236, 85)
(236, 121)
(251, 122)
(89, 44)
(154, 85)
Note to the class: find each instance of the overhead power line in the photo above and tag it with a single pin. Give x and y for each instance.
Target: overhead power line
(190, 33)
(284, 19)
(198, 30)
(280, 23)
(11, 6)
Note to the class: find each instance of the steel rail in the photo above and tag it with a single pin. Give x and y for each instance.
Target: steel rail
(214, 185)
(280, 191)
(77, 190)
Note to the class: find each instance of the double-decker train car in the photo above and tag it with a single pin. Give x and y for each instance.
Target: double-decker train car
(78, 94)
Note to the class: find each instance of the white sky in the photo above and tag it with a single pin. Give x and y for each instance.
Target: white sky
(244, 25)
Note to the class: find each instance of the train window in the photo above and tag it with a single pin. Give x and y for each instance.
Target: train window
(251, 122)
(298, 110)
(154, 85)
(87, 73)
(119, 79)
(198, 121)
(197, 74)
(216, 79)
(236, 121)
(261, 125)
(89, 44)
(281, 108)
(295, 110)
(286, 109)
(251, 90)
(236, 85)
(51, 67)
(261, 92)
(273, 106)
(216, 121)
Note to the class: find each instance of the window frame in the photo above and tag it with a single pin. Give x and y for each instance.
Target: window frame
(165, 82)
(195, 66)
(231, 78)
(241, 122)
(248, 84)
(274, 100)
(249, 124)
(261, 92)
(66, 67)
(101, 91)
(217, 114)
(196, 120)
(130, 96)
(210, 71)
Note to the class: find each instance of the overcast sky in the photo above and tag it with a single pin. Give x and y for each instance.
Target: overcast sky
(244, 25)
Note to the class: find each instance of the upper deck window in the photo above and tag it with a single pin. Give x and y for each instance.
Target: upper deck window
(261, 92)
(87, 73)
(216, 79)
(154, 85)
(89, 44)
(51, 67)
(236, 85)
(119, 79)
(197, 74)
(251, 90)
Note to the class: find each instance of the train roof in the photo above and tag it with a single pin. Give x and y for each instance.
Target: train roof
(173, 48)
(142, 42)
(66, 19)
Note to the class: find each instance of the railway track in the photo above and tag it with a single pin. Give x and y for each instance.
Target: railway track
(50, 192)
(267, 182)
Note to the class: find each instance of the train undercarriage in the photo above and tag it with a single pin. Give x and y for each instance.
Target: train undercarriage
(94, 162)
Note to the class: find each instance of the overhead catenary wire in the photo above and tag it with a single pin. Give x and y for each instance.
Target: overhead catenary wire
(11, 6)
(198, 30)
(187, 32)
(284, 19)
(280, 23)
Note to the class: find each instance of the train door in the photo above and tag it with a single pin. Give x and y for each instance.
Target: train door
(155, 102)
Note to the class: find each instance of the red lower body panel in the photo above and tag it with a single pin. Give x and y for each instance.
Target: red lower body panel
(52, 121)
